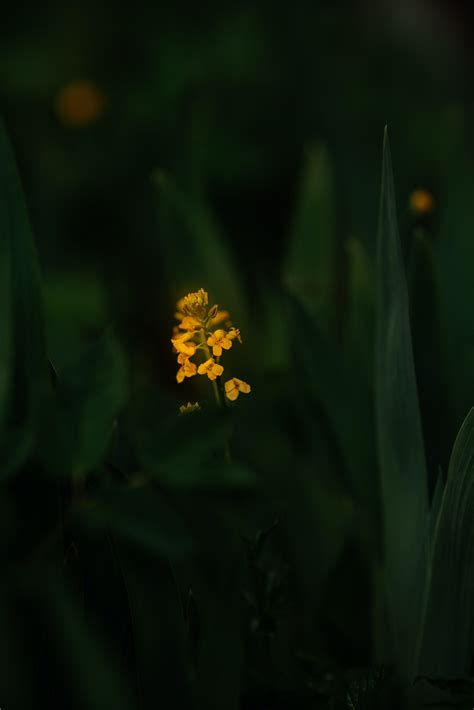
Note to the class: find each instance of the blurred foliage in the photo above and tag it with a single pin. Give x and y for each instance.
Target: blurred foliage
(327, 562)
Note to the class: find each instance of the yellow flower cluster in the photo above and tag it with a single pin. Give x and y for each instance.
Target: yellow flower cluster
(197, 332)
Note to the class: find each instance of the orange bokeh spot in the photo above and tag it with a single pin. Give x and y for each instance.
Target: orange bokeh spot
(422, 201)
(80, 103)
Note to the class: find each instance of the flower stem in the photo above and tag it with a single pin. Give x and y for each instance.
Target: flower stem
(217, 394)
(207, 352)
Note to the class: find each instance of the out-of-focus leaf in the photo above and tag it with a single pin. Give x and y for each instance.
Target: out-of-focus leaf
(75, 305)
(23, 364)
(359, 335)
(78, 419)
(453, 257)
(91, 666)
(272, 327)
(309, 270)
(194, 254)
(217, 586)
(367, 689)
(403, 477)
(441, 693)
(142, 515)
(158, 630)
(6, 343)
(436, 505)
(448, 624)
(312, 501)
(428, 349)
(345, 403)
(16, 687)
(191, 452)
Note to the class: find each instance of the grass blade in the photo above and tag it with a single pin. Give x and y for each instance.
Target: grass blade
(448, 626)
(193, 252)
(78, 421)
(22, 355)
(403, 478)
(310, 263)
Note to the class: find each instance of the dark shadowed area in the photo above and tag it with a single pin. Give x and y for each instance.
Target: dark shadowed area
(300, 536)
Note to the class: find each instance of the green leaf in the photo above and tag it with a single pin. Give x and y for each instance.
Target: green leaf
(91, 667)
(217, 583)
(22, 356)
(17, 688)
(78, 419)
(436, 505)
(403, 477)
(332, 383)
(142, 515)
(158, 629)
(359, 332)
(194, 254)
(199, 465)
(309, 270)
(429, 347)
(447, 628)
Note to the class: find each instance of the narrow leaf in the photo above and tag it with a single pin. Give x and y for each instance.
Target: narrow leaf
(78, 420)
(194, 254)
(93, 670)
(403, 478)
(22, 355)
(310, 263)
(447, 631)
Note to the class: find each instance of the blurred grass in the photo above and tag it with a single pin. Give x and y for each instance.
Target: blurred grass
(235, 148)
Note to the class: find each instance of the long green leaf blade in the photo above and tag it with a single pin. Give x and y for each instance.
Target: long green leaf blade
(78, 420)
(22, 355)
(193, 252)
(403, 478)
(448, 625)
(310, 262)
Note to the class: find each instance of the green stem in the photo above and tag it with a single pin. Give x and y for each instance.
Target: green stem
(207, 352)
(217, 394)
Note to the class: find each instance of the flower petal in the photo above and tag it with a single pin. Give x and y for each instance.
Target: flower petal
(244, 387)
(189, 323)
(232, 392)
(220, 317)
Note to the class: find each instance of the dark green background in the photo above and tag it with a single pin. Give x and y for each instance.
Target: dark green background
(239, 151)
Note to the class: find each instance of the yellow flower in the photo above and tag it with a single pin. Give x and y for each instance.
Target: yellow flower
(196, 331)
(187, 369)
(189, 408)
(219, 340)
(190, 323)
(182, 346)
(80, 103)
(422, 202)
(234, 386)
(234, 333)
(196, 304)
(211, 369)
(220, 317)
